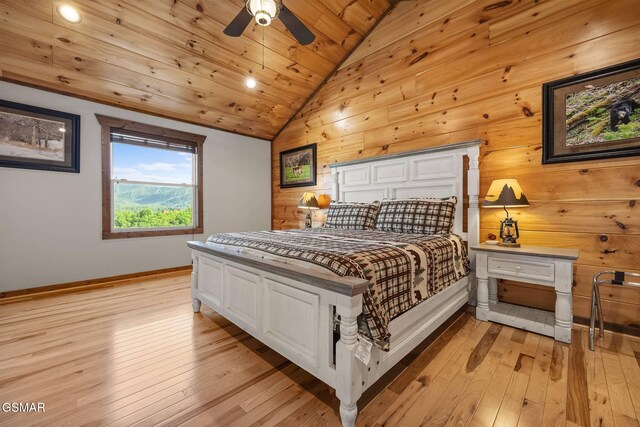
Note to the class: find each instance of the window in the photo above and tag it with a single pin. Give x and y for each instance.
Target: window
(151, 180)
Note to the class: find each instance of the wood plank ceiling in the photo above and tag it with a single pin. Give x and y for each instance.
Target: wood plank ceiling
(170, 57)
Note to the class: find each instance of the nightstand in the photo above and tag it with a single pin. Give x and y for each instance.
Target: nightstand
(538, 265)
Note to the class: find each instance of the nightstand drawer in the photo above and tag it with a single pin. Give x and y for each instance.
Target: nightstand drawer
(521, 269)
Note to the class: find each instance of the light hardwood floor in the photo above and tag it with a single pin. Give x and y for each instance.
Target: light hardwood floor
(136, 355)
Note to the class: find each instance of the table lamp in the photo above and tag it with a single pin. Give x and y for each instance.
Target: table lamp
(506, 193)
(308, 201)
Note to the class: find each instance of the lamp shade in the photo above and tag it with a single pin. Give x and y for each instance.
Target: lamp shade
(308, 201)
(505, 193)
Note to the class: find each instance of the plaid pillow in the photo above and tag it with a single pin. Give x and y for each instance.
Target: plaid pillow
(418, 216)
(352, 216)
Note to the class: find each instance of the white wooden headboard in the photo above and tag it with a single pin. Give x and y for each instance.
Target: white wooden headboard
(432, 172)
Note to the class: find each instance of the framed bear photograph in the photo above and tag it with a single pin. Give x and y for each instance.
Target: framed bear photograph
(595, 115)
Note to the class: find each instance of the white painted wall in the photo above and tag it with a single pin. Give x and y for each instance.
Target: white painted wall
(50, 222)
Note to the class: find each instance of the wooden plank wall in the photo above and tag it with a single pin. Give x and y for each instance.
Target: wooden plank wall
(438, 72)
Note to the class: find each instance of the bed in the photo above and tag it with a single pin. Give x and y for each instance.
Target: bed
(295, 307)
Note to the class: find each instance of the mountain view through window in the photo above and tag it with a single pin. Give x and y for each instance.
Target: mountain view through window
(152, 187)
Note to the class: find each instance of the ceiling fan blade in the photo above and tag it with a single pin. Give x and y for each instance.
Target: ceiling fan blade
(297, 28)
(239, 23)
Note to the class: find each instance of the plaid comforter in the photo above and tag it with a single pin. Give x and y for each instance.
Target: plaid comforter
(402, 269)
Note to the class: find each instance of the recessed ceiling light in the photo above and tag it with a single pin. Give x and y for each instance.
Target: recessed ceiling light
(69, 13)
(250, 82)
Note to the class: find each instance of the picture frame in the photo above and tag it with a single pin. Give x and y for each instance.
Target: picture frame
(592, 116)
(298, 167)
(39, 138)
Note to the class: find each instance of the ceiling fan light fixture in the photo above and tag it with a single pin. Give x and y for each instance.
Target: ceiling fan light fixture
(264, 11)
(263, 19)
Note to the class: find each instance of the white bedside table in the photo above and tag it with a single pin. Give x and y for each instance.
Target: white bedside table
(530, 264)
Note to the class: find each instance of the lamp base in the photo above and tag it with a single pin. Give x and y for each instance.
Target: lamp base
(509, 244)
(307, 219)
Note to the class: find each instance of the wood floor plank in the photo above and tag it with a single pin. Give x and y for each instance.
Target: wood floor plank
(577, 398)
(437, 383)
(466, 364)
(132, 366)
(623, 345)
(530, 345)
(599, 402)
(480, 351)
(279, 413)
(135, 354)
(621, 403)
(376, 407)
(409, 374)
(631, 369)
(82, 360)
(622, 420)
(555, 407)
(537, 388)
(531, 414)
(489, 405)
(468, 402)
(423, 379)
(513, 400)
(230, 409)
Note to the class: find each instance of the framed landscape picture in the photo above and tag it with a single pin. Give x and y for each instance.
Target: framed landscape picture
(37, 138)
(298, 167)
(591, 116)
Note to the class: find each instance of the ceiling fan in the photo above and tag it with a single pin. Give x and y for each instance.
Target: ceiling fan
(264, 12)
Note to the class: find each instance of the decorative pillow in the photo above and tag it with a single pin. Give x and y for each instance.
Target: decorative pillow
(352, 216)
(418, 216)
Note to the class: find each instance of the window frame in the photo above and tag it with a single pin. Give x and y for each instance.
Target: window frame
(158, 133)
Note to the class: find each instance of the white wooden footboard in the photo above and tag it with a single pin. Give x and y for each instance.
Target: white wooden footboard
(290, 311)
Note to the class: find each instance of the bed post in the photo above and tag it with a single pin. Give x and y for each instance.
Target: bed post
(348, 368)
(335, 186)
(195, 301)
(473, 227)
